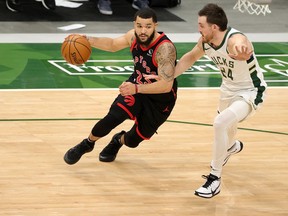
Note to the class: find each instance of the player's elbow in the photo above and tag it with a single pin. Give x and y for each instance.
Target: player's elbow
(111, 48)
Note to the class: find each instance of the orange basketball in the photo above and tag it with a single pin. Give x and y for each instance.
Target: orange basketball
(76, 49)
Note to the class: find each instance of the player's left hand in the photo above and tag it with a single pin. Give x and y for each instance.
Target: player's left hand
(127, 88)
(241, 52)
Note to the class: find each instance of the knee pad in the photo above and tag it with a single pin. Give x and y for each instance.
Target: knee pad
(132, 140)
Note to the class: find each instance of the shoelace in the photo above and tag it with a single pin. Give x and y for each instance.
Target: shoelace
(112, 147)
(209, 181)
(82, 147)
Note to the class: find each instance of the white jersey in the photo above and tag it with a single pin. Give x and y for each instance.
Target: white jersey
(239, 78)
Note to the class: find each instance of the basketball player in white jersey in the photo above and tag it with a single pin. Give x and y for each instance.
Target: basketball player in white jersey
(242, 90)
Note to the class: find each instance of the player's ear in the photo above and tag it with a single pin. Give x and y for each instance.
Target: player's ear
(215, 27)
(156, 24)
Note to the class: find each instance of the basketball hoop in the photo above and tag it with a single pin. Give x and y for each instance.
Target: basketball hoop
(253, 6)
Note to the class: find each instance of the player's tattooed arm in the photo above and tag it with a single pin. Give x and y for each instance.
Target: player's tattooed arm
(132, 39)
(166, 57)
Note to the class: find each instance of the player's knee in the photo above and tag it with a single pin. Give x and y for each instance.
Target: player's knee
(218, 123)
(131, 143)
(224, 120)
(105, 125)
(132, 140)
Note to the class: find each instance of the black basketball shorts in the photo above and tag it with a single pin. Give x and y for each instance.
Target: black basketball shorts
(147, 113)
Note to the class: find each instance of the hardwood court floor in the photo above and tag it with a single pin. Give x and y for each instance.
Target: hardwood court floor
(157, 178)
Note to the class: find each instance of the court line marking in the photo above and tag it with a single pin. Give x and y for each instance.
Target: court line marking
(115, 89)
(56, 63)
(171, 121)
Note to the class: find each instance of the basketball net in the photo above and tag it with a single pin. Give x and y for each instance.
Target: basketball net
(252, 8)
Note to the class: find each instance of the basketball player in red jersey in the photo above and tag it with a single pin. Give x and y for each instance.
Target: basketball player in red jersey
(147, 102)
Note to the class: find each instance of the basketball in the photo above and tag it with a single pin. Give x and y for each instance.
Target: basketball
(76, 49)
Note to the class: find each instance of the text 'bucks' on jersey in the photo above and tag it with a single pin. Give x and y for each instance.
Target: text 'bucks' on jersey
(237, 76)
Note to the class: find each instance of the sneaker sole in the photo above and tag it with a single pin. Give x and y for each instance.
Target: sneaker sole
(207, 197)
(105, 159)
(105, 12)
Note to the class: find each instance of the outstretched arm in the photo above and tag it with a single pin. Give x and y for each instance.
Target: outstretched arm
(188, 59)
(112, 44)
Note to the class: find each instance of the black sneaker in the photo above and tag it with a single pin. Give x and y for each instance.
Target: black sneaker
(49, 4)
(74, 154)
(109, 153)
(13, 5)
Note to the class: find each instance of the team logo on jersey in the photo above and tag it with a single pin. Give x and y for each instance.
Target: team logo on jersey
(129, 100)
(150, 52)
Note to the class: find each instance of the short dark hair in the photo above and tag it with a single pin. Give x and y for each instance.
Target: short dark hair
(215, 15)
(146, 13)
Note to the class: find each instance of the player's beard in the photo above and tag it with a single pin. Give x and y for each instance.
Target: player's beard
(206, 38)
(147, 42)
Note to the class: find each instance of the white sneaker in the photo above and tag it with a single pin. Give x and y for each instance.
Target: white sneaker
(236, 148)
(210, 188)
